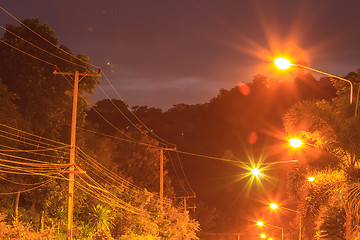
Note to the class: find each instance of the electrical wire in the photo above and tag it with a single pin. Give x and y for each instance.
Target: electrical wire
(183, 172)
(177, 175)
(28, 54)
(34, 135)
(54, 45)
(193, 154)
(27, 190)
(119, 110)
(133, 140)
(149, 131)
(52, 54)
(106, 120)
(17, 183)
(118, 138)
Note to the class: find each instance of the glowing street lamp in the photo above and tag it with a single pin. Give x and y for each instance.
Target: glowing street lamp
(275, 206)
(283, 63)
(311, 179)
(263, 236)
(260, 223)
(295, 142)
(255, 172)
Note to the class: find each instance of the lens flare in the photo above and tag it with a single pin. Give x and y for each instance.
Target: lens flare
(273, 206)
(310, 179)
(295, 142)
(282, 63)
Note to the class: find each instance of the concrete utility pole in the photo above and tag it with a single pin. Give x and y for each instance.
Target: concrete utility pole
(72, 148)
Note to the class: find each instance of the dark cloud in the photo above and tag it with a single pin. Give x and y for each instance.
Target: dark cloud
(160, 49)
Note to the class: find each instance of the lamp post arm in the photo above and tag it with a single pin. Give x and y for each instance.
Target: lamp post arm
(289, 209)
(282, 230)
(330, 75)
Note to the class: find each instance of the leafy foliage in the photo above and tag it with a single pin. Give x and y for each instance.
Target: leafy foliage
(333, 127)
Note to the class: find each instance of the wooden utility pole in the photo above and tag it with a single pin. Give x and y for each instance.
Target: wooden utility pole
(185, 199)
(72, 148)
(161, 177)
(162, 174)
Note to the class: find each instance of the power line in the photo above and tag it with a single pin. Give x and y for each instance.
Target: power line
(52, 54)
(46, 39)
(182, 169)
(177, 175)
(112, 102)
(28, 54)
(135, 114)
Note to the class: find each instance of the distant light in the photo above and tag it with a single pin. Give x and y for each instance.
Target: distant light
(255, 172)
(295, 142)
(270, 239)
(263, 236)
(311, 179)
(260, 224)
(273, 206)
(282, 63)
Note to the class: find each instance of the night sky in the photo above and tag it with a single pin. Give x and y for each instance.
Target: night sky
(164, 52)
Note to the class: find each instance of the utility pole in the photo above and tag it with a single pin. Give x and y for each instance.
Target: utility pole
(162, 174)
(185, 199)
(161, 177)
(72, 148)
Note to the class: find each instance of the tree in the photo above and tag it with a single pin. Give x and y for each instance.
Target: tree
(41, 97)
(30, 90)
(333, 127)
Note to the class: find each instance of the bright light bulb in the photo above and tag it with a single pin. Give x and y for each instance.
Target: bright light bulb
(255, 172)
(282, 63)
(311, 179)
(273, 206)
(260, 223)
(263, 236)
(295, 142)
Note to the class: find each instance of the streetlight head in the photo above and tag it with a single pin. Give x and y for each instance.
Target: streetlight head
(295, 142)
(282, 63)
(260, 224)
(273, 206)
(263, 236)
(311, 179)
(255, 172)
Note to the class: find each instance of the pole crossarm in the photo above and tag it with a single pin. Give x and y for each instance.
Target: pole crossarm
(79, 74)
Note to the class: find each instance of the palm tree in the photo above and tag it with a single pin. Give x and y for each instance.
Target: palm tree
(333, 128)
(101, 219)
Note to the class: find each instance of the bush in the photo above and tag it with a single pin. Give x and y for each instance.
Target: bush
(22, 231)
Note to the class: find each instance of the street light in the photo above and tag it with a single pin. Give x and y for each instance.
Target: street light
(283, 63)
(275, 206)
(310, 179)
(260, 223)
(255, 172)
(295, 142)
